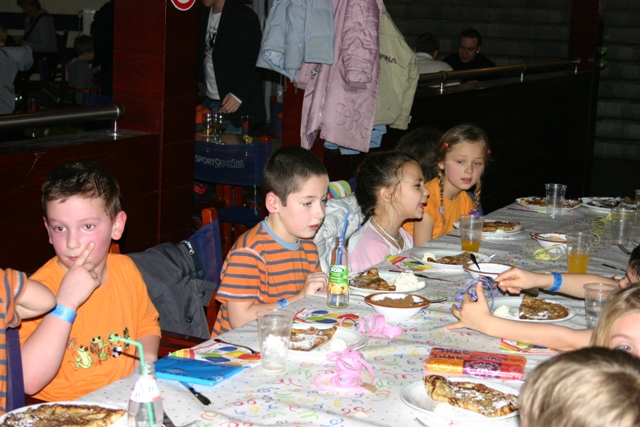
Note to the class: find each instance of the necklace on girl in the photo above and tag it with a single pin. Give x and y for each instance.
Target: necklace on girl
(397, 239)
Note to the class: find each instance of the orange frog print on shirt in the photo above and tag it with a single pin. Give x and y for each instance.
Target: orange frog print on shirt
(82, 357)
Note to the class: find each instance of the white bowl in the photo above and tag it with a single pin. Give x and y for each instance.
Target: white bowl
(380, 303)
(490, 269)
(549, 239)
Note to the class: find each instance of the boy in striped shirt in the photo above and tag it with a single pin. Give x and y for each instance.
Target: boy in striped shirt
(276, 262)
(20, 298)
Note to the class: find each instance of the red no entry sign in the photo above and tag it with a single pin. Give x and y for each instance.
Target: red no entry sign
(183, 4)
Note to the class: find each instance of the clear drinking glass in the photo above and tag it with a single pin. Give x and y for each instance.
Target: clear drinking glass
(219, 126)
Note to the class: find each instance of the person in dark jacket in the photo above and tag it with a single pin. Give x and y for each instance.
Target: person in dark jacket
(469, 56)
(102, 33)
(229, 39)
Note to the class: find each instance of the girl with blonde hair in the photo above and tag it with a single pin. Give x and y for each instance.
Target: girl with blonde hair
(617, 326)
(461, 155)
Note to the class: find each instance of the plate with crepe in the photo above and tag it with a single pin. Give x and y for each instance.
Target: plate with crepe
(372, 281)
(307, 338)
(539, 204)
(416, 396)
(605, 204)
(57, 413)
(445, 259)
(498, 229)
(525, 308)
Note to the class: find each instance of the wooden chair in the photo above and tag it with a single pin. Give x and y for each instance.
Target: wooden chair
(60, 69)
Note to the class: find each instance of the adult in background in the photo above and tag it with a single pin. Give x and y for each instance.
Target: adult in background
(469, 56)
(39, 31)
(12, 60)
(427, 49)
(229, 38)
(102, 33)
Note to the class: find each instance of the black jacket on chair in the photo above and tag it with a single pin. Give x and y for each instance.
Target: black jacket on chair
(235, 53)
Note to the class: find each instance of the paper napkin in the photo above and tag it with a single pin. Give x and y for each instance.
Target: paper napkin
(194, 371)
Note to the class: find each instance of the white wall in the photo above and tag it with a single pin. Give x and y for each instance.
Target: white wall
(62, 7)
(67, 7)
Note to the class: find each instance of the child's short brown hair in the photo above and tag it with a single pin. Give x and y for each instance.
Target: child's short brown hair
(591, 387)
(84, 179)
(287, 169)
(83, 44)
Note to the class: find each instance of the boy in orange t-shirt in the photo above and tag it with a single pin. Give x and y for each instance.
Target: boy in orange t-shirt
(70, 352)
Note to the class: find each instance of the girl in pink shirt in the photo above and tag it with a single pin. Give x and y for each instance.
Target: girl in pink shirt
(390, 190)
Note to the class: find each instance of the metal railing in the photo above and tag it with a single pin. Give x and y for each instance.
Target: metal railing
(114, 111)
(447, 77)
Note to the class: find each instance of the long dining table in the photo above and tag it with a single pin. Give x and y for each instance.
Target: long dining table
(253, 398)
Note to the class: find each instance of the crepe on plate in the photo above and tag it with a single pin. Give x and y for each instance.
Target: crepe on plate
(536, 309)
(54, 415)
(370, 279)
(542, 202)
(471, 396)
(495, 226)
(306, 339)
(460, 259)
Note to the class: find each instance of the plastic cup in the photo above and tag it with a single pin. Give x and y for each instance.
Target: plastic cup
(621, 223)
(274, 328)
(578, 249)
(555, 199)
(207, 124)
(595, 296)
(471, 232)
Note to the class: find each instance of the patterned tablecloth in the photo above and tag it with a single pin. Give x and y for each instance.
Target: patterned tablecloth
(252, 398)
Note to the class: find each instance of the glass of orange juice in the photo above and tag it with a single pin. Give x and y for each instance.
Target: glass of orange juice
(578, 249)
(471, 232)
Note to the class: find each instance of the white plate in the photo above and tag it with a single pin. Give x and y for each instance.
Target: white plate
(351, 337)
(418, 253)
(415, 395)
(593, 203)
(514, 304)
(122, 422)
(386, 276)
(542, 208)
(496, 235)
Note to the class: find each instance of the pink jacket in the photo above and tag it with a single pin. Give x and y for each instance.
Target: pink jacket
(340, 99)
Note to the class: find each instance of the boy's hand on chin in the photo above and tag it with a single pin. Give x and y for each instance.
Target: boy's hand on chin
(79, 282)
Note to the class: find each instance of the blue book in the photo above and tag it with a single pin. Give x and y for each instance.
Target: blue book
(194, 371)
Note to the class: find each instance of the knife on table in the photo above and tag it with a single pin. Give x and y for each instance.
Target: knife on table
(203, 399)
(166, 421)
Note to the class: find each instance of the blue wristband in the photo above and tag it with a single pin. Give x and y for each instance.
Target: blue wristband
(557, 282)
(283, 303)
(64, 313)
